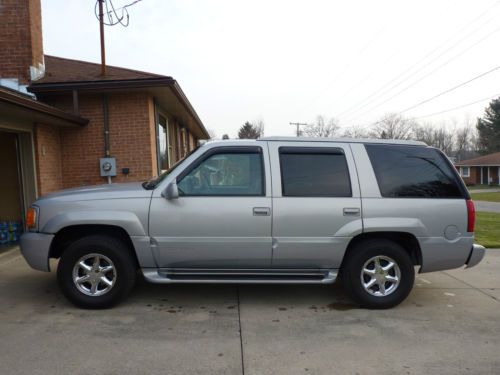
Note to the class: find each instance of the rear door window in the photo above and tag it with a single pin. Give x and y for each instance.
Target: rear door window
(413, 172)
(314, 172)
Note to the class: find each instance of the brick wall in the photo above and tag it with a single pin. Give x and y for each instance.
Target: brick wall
(20, 38)
(131, 134)
(48, 158)
(474, 176)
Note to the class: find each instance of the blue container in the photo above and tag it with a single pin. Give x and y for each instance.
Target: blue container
(4, 232)
(4, 237)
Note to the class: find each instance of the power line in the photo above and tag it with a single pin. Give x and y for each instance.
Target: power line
(362, 80)
(455, 108)
(351, 62)
(451, 89)
(376, 93)
(429, 73)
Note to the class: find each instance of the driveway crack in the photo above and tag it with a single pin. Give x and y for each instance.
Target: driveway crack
(241, 331)
(472, 286)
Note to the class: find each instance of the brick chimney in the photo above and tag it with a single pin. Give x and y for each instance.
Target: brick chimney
(21, 48)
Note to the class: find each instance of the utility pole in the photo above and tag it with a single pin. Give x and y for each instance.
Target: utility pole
(101, 27)
(298, 124)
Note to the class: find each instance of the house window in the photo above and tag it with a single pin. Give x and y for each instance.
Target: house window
(163, 143)
(465, 171)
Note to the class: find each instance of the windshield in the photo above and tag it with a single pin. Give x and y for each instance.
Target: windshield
(155, 181)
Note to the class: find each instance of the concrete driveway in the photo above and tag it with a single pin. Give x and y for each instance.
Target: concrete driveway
(450, 324)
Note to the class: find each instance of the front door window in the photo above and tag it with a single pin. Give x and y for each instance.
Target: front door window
(225, 174)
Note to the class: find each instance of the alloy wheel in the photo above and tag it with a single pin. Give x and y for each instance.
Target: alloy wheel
(94, 274)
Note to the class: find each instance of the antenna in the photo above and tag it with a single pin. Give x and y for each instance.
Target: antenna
(112, 17)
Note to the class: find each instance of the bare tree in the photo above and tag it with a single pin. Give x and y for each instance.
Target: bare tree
(394, 126)
(425, 133)
(322, 127)
(444, 140)
(259, 125)
(466, 140)
(211, 134)
(436, 135)
(355, 132)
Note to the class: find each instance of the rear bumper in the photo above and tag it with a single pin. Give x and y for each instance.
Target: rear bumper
(475, 256)
(35, 248)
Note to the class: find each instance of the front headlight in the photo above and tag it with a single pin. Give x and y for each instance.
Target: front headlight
(31, 219)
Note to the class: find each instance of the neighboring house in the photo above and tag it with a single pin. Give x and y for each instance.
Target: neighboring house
(484, 170)
(59, 117)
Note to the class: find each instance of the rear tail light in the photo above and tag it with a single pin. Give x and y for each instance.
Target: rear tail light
(471, 215)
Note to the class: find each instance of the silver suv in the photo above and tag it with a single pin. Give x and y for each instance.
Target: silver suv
(273, 210)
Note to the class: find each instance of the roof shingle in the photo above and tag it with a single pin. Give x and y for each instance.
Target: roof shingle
(61, 70)
(490, 159)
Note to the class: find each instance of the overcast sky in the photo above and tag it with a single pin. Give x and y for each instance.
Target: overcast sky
(283, 61)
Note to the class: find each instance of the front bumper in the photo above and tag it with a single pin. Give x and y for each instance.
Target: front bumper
(475, 256)
(35, 248)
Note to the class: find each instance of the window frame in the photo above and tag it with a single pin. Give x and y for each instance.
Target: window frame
(462, 171)
(226, 150)
(296, 150)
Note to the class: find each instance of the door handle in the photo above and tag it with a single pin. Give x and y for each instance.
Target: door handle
(261, 211)
(351, 211)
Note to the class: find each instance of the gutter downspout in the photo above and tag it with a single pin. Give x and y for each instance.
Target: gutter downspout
(157, 137)
(106, 129)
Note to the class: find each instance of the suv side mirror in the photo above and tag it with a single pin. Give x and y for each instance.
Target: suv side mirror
(171, 192)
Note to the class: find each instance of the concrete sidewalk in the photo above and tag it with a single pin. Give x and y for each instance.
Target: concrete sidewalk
(487, 206)
(449, 325)
(490, 190)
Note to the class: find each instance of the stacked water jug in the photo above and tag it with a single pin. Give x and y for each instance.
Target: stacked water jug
(9, 231)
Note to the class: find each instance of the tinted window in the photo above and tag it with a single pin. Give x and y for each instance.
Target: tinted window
(225, 174)
(413, 172)
(310, 173)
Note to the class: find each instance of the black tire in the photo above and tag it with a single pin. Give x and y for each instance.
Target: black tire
(351, 273)
(124, 272)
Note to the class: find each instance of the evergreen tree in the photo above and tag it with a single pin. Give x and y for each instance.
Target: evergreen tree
(488, 128)
(249, 131)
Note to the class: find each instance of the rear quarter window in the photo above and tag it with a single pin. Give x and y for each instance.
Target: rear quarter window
(413, 172)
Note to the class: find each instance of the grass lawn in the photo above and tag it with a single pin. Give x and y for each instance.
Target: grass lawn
(488, 229)
(481, 187)
(489, 197)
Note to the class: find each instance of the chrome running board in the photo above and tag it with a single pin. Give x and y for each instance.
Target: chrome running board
(239, 276)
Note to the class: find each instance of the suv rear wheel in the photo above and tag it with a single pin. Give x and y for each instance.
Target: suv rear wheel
(96, 272)
(378, 274)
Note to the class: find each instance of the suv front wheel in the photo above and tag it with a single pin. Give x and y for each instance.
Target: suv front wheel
(96, 272)
(378, 274)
